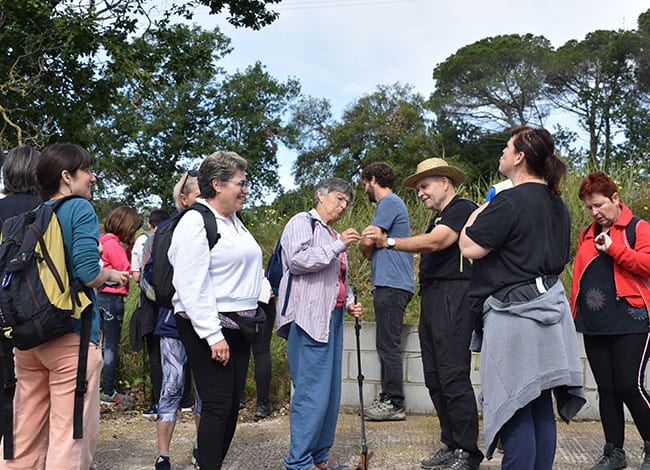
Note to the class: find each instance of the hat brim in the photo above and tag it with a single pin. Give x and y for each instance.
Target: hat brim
(451, 172)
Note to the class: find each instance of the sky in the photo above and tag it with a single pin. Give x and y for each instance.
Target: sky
(342, 49)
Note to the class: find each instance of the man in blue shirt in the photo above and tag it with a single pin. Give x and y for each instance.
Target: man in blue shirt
(393, 287)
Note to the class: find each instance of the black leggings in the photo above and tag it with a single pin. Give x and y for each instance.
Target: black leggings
(262, 355)
(618, 364)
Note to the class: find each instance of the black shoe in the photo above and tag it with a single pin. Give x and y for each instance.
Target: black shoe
(151, 412)
(613, 458)
(438, 459)
(163, 463)
(460, 461)
(263, 409)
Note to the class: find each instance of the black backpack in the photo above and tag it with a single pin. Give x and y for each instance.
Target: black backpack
(38, 302)
(274, 270)
(163, 271)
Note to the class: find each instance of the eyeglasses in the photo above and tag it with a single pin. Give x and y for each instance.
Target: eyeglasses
(243, 184)
(193, 174)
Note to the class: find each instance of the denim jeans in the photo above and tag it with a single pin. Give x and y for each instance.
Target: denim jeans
(316, 375)
(529, 437)
(390, 305)
(111, 311)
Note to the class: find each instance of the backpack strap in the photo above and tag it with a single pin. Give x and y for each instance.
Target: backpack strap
(630, 231)
(82, 367)
(290, 279)
(8, 392)
(210, 223)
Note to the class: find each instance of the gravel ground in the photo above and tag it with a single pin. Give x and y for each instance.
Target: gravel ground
(128, 441)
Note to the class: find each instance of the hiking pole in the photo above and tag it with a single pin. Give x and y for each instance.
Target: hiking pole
(363, 465)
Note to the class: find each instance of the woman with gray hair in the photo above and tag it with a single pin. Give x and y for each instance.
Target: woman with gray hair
(213, 285)
(314, 260)
(20, 185)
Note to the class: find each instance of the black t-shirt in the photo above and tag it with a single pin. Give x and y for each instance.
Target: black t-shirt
(528, 230)
(448, 264)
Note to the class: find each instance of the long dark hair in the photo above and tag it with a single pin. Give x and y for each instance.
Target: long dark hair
(539, 150)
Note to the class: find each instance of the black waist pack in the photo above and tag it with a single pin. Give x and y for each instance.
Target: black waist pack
(252, 328)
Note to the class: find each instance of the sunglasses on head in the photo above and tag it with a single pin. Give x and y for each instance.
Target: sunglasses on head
(193, 174)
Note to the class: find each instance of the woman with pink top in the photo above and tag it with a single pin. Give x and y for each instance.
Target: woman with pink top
(120, 226)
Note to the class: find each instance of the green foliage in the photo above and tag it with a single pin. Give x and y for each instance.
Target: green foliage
(392, 124)
(496, 82)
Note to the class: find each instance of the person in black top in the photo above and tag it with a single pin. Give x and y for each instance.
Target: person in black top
(20, 186)
(520, 244)
(445, 326)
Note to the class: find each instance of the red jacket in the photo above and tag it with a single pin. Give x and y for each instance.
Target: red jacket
(631, 266)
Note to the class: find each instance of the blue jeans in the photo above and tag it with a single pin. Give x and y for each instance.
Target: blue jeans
(111, 311)
(529, 437)
(316, 375)
(390, 305)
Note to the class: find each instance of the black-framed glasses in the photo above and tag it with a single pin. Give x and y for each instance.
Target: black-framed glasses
(193, 174)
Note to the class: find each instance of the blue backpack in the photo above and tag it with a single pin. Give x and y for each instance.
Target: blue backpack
(274, 270)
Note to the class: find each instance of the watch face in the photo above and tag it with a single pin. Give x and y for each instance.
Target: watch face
(390, 242)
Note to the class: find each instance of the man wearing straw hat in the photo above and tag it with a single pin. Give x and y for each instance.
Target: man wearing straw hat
(445, 318)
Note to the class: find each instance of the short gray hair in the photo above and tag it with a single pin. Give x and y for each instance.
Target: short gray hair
(19, 170)
(222, 166)
(334, 184)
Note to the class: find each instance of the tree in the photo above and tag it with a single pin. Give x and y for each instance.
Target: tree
(392, 124)
(248, 115)
(178, 107)
(52, 75)
(494, 83)
(594, 79)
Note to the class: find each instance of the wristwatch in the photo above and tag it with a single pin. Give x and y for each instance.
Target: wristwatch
(391, 243)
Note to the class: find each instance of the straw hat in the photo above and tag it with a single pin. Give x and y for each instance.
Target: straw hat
(435, 167)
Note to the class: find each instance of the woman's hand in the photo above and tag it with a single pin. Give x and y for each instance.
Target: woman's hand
(355, 310)
(116, 278)
(377, 235)
(221, 352)
(350, 235)
(603, 242)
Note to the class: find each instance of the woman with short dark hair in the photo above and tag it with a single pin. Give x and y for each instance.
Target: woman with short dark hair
(47, 374)
(213, 286)
(610, 298)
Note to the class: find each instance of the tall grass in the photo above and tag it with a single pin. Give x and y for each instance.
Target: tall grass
(267, 224)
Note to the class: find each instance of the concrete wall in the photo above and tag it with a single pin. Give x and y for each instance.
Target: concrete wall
(416, 395)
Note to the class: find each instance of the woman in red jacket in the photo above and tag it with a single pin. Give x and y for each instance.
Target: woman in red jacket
(610, 298)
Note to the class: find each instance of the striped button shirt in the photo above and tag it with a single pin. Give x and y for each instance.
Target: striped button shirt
(313, 259)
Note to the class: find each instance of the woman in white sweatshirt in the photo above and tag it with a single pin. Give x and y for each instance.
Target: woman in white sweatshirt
(227, 278)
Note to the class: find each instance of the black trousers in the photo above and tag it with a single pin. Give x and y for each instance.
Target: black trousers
(618, 363)
(262, 355)
(220, 388)
(445, 331)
